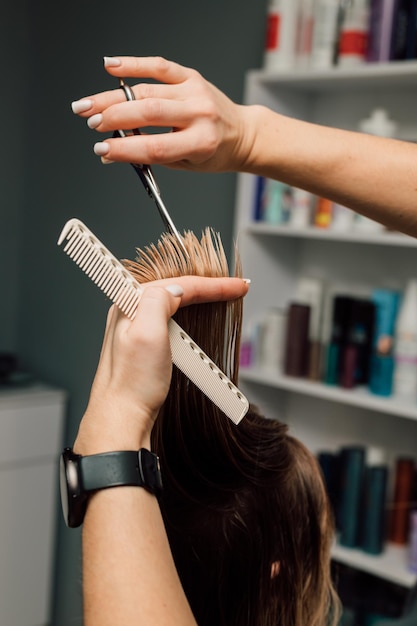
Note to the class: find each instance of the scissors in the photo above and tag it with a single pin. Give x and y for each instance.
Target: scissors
(148, 179)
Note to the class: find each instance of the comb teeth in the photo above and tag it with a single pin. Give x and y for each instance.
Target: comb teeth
(118, 284)
(101, 266)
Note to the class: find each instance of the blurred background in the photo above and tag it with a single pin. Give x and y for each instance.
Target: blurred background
(51, 317)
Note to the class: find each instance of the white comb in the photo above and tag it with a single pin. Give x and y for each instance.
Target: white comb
(118, 284)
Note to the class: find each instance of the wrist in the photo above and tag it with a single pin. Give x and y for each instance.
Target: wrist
(108, 433)
(251, 122)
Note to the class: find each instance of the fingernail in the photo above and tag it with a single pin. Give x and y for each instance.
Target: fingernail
(106, 161)
(247, 281)
(94, 120)
(80, 106)
(101, 148)
(111, 62)
(176, 290)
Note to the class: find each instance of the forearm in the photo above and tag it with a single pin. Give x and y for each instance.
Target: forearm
(372, 175)
(129, 576)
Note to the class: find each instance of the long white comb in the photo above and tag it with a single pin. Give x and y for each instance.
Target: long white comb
(118, 284)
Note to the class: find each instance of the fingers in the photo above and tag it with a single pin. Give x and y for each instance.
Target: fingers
(168, 72)
(157, 305)
(159, 149)
(99, 102)
(199, 289)
(157, 68)
(140, 113)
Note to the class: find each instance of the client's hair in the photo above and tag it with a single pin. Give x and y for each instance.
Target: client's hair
(244, 506)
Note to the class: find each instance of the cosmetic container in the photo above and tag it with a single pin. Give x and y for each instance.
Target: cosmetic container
(404, 482)
(310, 291)
(330, 467)
(405, 346)
(379, 124)
(353, 36)
(323, 54)
(373, 526)
(382, 360)
(259, 198)
(356, 353)
(342, 218)
(272, 339)
(281, 35)
(300, 213)
(297, 342)
(305, 34)
(352, 465)
(276, 202)
(404, 31)
(412, 546)
(324, 213)
(341, 312)
(380, 30)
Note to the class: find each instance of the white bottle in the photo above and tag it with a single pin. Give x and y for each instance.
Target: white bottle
(353, 38)
(325, 34)
(405, 346)
(379, 124)
(301, 208)
(305, 34)
(281, 35)
(272, 339)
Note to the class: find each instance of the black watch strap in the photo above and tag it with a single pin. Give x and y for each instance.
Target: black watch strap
(126, 467)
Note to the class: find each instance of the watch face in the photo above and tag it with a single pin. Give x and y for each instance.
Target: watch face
(72, 501)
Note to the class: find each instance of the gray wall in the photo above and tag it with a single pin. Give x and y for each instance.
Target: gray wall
(51, 52)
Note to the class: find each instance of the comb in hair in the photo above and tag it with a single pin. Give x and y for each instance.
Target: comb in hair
(83, 247)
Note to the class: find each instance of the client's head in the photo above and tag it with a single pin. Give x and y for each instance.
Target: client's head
(245, 507)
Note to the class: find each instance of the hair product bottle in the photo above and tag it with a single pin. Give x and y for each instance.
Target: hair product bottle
(310, 291)
(373, 527)
(305, 34)
(272, 339)
(353, 38)
(323, 54)
(281, 35)
(379, 124)
(382, 361)
(352, 464)
(380, 30)
(404, 481)
(405, 346)
(297, 342)
(300, 214)
(412, 549)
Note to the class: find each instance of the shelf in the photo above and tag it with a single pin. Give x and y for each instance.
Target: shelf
(370, 75)
(383, 238)
(359, 396)
(391, 565)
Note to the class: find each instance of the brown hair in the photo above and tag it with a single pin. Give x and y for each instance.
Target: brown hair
(237, 499)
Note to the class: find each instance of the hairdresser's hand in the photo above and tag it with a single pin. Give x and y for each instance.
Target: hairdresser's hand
(211, 133)
(134, 371)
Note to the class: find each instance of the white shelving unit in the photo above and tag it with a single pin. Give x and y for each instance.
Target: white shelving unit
(31, 423)
(274, 257)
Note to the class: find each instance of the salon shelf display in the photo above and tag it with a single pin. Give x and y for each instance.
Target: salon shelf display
(358, 397)
(391, 565)
(383, 238)
(279, 254)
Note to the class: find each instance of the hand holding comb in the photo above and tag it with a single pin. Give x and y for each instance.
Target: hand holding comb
(83, 247)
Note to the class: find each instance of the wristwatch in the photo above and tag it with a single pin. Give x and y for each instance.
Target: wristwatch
(82, 475)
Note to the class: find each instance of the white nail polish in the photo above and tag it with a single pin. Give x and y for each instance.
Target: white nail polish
(111, 62)
(101, 148)
(247, 281)
(106, 161)
(80, 106)
(176, 290)
(94, 120)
